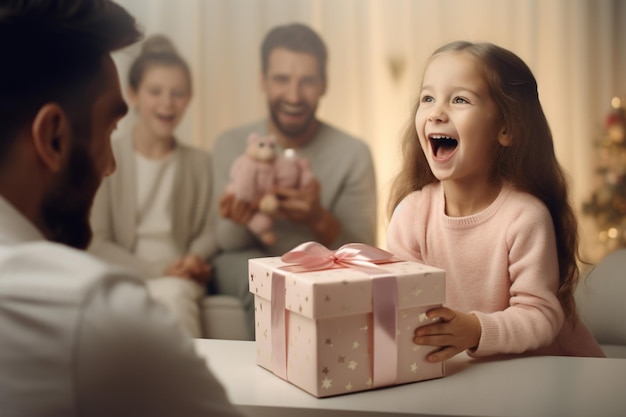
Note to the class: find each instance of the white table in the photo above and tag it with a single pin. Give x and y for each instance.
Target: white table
(535, 386)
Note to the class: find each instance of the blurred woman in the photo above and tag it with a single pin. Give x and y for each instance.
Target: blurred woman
(152, 214)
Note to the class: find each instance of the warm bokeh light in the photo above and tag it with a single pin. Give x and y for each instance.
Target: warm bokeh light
(616, 102)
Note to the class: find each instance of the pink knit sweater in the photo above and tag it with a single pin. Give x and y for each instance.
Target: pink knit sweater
(501, 264)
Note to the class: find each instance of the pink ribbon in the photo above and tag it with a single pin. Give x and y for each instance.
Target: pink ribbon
(312, 256)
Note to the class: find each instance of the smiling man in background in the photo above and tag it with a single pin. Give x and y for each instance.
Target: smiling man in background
(338, 207)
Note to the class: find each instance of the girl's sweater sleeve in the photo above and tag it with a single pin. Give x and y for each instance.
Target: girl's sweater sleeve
(534, 316)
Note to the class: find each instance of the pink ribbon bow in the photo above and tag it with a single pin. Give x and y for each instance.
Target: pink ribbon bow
(312, 256)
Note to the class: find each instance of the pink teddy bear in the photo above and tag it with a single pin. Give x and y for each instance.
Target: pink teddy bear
(255, 175)
(252, 180)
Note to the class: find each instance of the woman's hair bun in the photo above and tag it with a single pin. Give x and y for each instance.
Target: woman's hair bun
(155, 50)
(157, 45)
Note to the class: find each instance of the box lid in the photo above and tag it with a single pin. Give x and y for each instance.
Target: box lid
(343, 291)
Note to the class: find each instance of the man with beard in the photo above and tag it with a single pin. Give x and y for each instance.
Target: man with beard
(338, 208)
(79, 337)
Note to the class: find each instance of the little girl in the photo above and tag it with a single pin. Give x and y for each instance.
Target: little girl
(482, 196)
(152, 214)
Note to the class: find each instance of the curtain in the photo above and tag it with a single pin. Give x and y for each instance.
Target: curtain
(377, 50)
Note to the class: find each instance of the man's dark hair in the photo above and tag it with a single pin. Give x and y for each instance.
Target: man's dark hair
(52, 51)
(297, 38)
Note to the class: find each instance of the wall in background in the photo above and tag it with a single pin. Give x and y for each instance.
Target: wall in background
(576, 49)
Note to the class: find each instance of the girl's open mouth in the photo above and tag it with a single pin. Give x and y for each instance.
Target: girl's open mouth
(443, 146)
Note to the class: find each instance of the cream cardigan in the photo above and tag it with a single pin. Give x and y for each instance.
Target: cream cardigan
(114, 211)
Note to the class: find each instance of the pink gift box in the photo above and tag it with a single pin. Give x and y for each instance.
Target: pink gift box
(329, 326)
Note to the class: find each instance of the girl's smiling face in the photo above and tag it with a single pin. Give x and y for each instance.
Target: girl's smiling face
(161, 99)
(458, 123)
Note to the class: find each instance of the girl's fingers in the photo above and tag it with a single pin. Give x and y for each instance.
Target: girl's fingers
(442, 354)
(443, 313)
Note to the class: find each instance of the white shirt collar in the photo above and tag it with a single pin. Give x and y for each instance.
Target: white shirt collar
(14, 227)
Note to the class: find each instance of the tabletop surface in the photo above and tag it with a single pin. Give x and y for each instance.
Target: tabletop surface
(532, 386)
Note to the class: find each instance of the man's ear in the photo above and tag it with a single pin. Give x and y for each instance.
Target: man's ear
(51, 135)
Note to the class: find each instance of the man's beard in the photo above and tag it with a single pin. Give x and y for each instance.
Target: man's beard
(292, 131)
(65, 210)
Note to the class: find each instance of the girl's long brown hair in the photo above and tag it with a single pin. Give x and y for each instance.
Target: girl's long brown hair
(529, 163)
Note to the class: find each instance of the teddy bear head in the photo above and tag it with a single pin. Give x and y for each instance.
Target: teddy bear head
(261, 148)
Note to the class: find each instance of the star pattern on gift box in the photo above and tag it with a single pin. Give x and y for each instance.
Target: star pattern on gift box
(352, 365)
(329, 342)
(327, 383)
(414, 367)
(369, 382)
(349, 386)
(416, 291)
(355, 344)
(341, 359)
(423, 317)
(325, 370)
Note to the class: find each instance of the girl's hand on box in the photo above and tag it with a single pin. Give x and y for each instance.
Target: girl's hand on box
(453, 333)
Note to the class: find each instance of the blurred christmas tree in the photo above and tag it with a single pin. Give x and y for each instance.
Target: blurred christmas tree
(607, 204)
